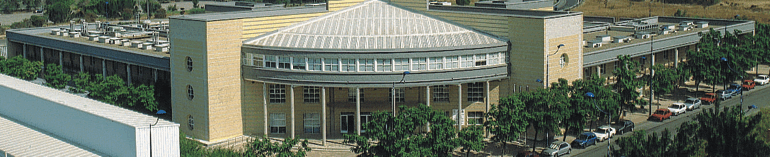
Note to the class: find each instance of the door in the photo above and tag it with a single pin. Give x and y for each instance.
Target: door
(347, 122)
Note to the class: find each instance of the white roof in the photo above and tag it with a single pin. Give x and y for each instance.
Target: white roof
(20, 140)
(374, 25)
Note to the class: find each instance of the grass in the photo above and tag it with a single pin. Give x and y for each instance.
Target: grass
(760, 11)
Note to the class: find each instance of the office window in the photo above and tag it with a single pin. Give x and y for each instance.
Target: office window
(401, 64)
(277, 93)
(284, 62)
(475, 118)
(277, 123)
(476, 92)
(481, 59)
(494, 58)
(190, 122)
(312, 123)
(440, 93)
(399, 95)
(314, 64)
(298, 63)
(452, 62)
(366, 64)
(419, 64)
(436, 63)
(455, 115)
(270, 61)
(257, 60)
(665, 54)
(311, 94)
(349, 65)
(247, 60)
(562, 60)
(331, 64)
(467, 61)
(603, 68)
(189, 64)
(190, 92)
(384, 65)
(352, 94)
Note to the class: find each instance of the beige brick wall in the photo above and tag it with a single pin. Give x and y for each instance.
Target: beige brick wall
(223, 60)
(190, 42)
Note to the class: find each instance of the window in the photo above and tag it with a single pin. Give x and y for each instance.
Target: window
(419, 64)
(452, 62)
(455, 116)
(665, 55)
(563, 60)
(366, 64)
(481, 59)
(399, 95)
(440, 93)
(277, 93)
(467, 61)
(257, 60)
(476, 92)
(314, 64)
(642, 61)
(401, 64)
(494, 59)
(615, 66)
(312, 123)
(247, 58)
(603, 68)
(352, 94)
(284, 62)
(384, 65)
(270, 61)
(349, 65)
(298, 63)
(331, 64)
(277, 123)
(190, 92)
(190, 122)
(436, 63)
(475, 118)
(311, 94)
(189, 64)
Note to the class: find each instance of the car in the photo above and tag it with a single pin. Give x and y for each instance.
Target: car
(525, 153)
(557, 148)
(692, 103)
(709, 97)
(724, 95)
(749, 84)
(38, 11)
(608, 129)
(677, 108)
(735, 89)
(627, 126)
(660, 114)
(585, 139)
(762, 79)
(601, 135)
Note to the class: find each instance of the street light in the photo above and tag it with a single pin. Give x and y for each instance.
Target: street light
(547, 64)
(649, 81)
(609, 117)
(160, 112)
(723, 59)
(393, 90)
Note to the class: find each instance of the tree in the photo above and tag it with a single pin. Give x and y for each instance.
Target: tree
(59, 11)
(544, 111)
(31, 4)
(471, 138)
(195, 4)
(9, 6)
(38, 21)
(396, 136)
(160, 13)
(81, 81)
(581, 107)
(171, 7)
(111, 90)
(262, 147)
(154, 6)
(22, 68)
(144, 96)
(55, 77)
(507, 120)
(627, 84)
(663, 80)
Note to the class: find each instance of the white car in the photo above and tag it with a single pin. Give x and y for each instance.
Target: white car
(677, 108)
(762, 79)
(604, 133)
(692, 103)
(608, 129)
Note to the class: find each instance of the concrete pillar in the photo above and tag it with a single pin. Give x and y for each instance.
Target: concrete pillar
(60, 60)
(264, 106)
(427, 102)
(104, 68)
(128, 73)
(291, 101)
(323, 115)
(358, 111)
(42, 56)
(676, 57)
(599, 70)
(486, 110)
(81, 63)
(459, 105)
(155, 74)
(24, 50)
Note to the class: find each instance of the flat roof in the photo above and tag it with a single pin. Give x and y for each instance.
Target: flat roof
(45, 32)
(259, 12)
(614, 33)
(503, 11)
(19, 139)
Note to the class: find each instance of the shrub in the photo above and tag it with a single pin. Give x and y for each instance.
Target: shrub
(22, 24)
(160, 13)
(90, 16)
(171, 7)
(38, 21)
(22, 68)
(197, 11)
(55, 77)
(127, 14)
(82, 82)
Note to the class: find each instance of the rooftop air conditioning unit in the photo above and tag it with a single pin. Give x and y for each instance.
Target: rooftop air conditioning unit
(702, 24)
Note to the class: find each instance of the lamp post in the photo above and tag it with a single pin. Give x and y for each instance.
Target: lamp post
(547, 64)
(393, 90)
(723, 59)
(160, 112)
(609, 117)
(649, 81)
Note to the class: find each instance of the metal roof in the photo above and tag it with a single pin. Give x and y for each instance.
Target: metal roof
(374, 25)
(20, 140)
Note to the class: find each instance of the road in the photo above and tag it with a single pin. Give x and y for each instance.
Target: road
(753, 97)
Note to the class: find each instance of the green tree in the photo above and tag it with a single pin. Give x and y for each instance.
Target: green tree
(663, 81)
(154, 6)
(471, 138)
(396, 136)
(506, 121)
(171, 7)
(627, 84)
(160, 13)
(195, 4)
(544, 111)
(38, 21)
(59, 11)
(9, 6)
(22, 68)
(581, 108)
(263, 147)
(144, 96)
(111, 90)
(81, 81)
(31, 4)
(55, 77)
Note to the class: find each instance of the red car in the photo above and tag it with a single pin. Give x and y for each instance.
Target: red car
(660, 114)
(748, 84)
(709, 97)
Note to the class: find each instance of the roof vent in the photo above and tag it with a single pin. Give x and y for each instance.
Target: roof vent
(684, 28)
(604, 38)
(642, 35)
(136, 43)
(594, 43)
(621, 39)
(75, 34)
(702, 24)
(55, 32)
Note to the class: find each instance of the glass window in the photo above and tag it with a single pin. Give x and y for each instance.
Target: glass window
(277, 93)
(312, 123)
(270, 61)
(277, 123)
(257, 60)
(419, 64)
(352, 94)
(603, 69)
(366, 64)
(190, 92)
(440, 93)
(481, 59)
(384, 65)
(247, 60)
(311, 94)
(401, 64)
(349, 65)
(475, 118)
(494, 59)
(452, 62)
(314, 64)
(331, 64)
(298, 63)
(190, 122)
(476, 92)
(189, 64)
(284, 62)
(399, 95)
(436, 63)
(467, 61)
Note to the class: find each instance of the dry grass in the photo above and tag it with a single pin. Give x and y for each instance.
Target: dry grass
(757, 10)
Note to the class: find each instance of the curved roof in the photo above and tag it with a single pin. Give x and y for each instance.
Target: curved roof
(374, 25)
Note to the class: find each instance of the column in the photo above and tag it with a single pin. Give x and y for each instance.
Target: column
(427, 102)
(459, 105)
(323, 115)
(24, 50)
(291, 101)
(155, 74)
(104, 69)
(42, 56)
(264, 105)
(128, 73)
(81, 63)
(60, 60)
(599, 70)
(486, 110)
(676, 57)
(358, 111)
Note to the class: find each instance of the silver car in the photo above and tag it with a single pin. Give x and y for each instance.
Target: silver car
(558, 148)
(692, 103)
